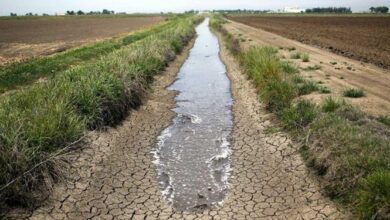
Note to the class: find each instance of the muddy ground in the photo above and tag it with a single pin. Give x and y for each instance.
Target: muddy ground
(336, 72)
(365, 38)
(23, 38)
(114, 176)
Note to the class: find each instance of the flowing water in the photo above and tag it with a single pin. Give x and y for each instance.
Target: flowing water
(192, 155)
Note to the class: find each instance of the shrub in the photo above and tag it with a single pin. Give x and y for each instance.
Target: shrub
(353, 93)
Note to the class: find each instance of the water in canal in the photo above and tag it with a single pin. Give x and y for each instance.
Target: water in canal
(192, 154)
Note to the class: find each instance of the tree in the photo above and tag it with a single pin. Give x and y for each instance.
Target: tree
(106, 12)
(79, 12)
(70, 13)
(372, 9)
(13, 14)
(29, 14)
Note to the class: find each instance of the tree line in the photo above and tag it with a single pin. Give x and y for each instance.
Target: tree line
(329, 10)
(79, 12)
(381, 9)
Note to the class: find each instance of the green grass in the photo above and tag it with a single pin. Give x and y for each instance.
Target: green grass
(22, 74)
(384, 119)
(296, 55)
(345, 147)
(330, 104)
(39, 120)
(305, 57)
(289, 68)
(353, 93)
(324, 90)
(312, 68)
(307, 87)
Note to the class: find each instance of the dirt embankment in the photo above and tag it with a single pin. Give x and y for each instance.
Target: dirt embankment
(24, 38)
(334, 71)
(115, 176)
(365, 38)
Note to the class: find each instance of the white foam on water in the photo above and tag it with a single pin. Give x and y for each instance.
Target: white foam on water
(195, 119)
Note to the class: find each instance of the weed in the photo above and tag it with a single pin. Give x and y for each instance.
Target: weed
(305, 57)
(300, 115)
(324, 90)
(353, 93)
(384, 119)
(307, 87)
(289, 68)
(297, 79)
(296, 55)
(312, 68)
(291, 48)
(333, 63)
(330, 105)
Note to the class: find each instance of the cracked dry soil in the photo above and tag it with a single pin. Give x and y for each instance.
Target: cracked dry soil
(113, 177)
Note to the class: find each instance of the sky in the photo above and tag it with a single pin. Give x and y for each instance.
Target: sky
(131, 6)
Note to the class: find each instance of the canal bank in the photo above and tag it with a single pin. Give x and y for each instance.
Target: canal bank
(115, 177)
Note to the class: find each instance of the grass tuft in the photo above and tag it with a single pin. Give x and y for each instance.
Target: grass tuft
(330, 105)
(305, 57)
(312, 68)
(296, 55)
(353, 93)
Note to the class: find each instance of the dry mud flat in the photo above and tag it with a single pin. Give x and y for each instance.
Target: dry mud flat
(115, 178)
(23, 38)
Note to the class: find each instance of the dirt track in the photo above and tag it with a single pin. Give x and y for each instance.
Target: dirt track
(346, 73)
(365, 38)
(114, 177)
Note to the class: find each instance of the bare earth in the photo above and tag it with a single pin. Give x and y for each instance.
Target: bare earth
(347, 73)
(24, 38)
(114, 177)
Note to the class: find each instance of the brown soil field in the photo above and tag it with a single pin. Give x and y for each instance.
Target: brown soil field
(365, 38)
(23, 38)
(336, 72)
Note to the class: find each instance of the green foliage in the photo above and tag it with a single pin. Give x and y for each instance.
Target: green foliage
(305, 57)
(353, 93)
(374, 192)
(307, 87)
(312, 68)
(300, 115)
(296, 55)
(330, 104)
(384, 119)
(289, 68)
